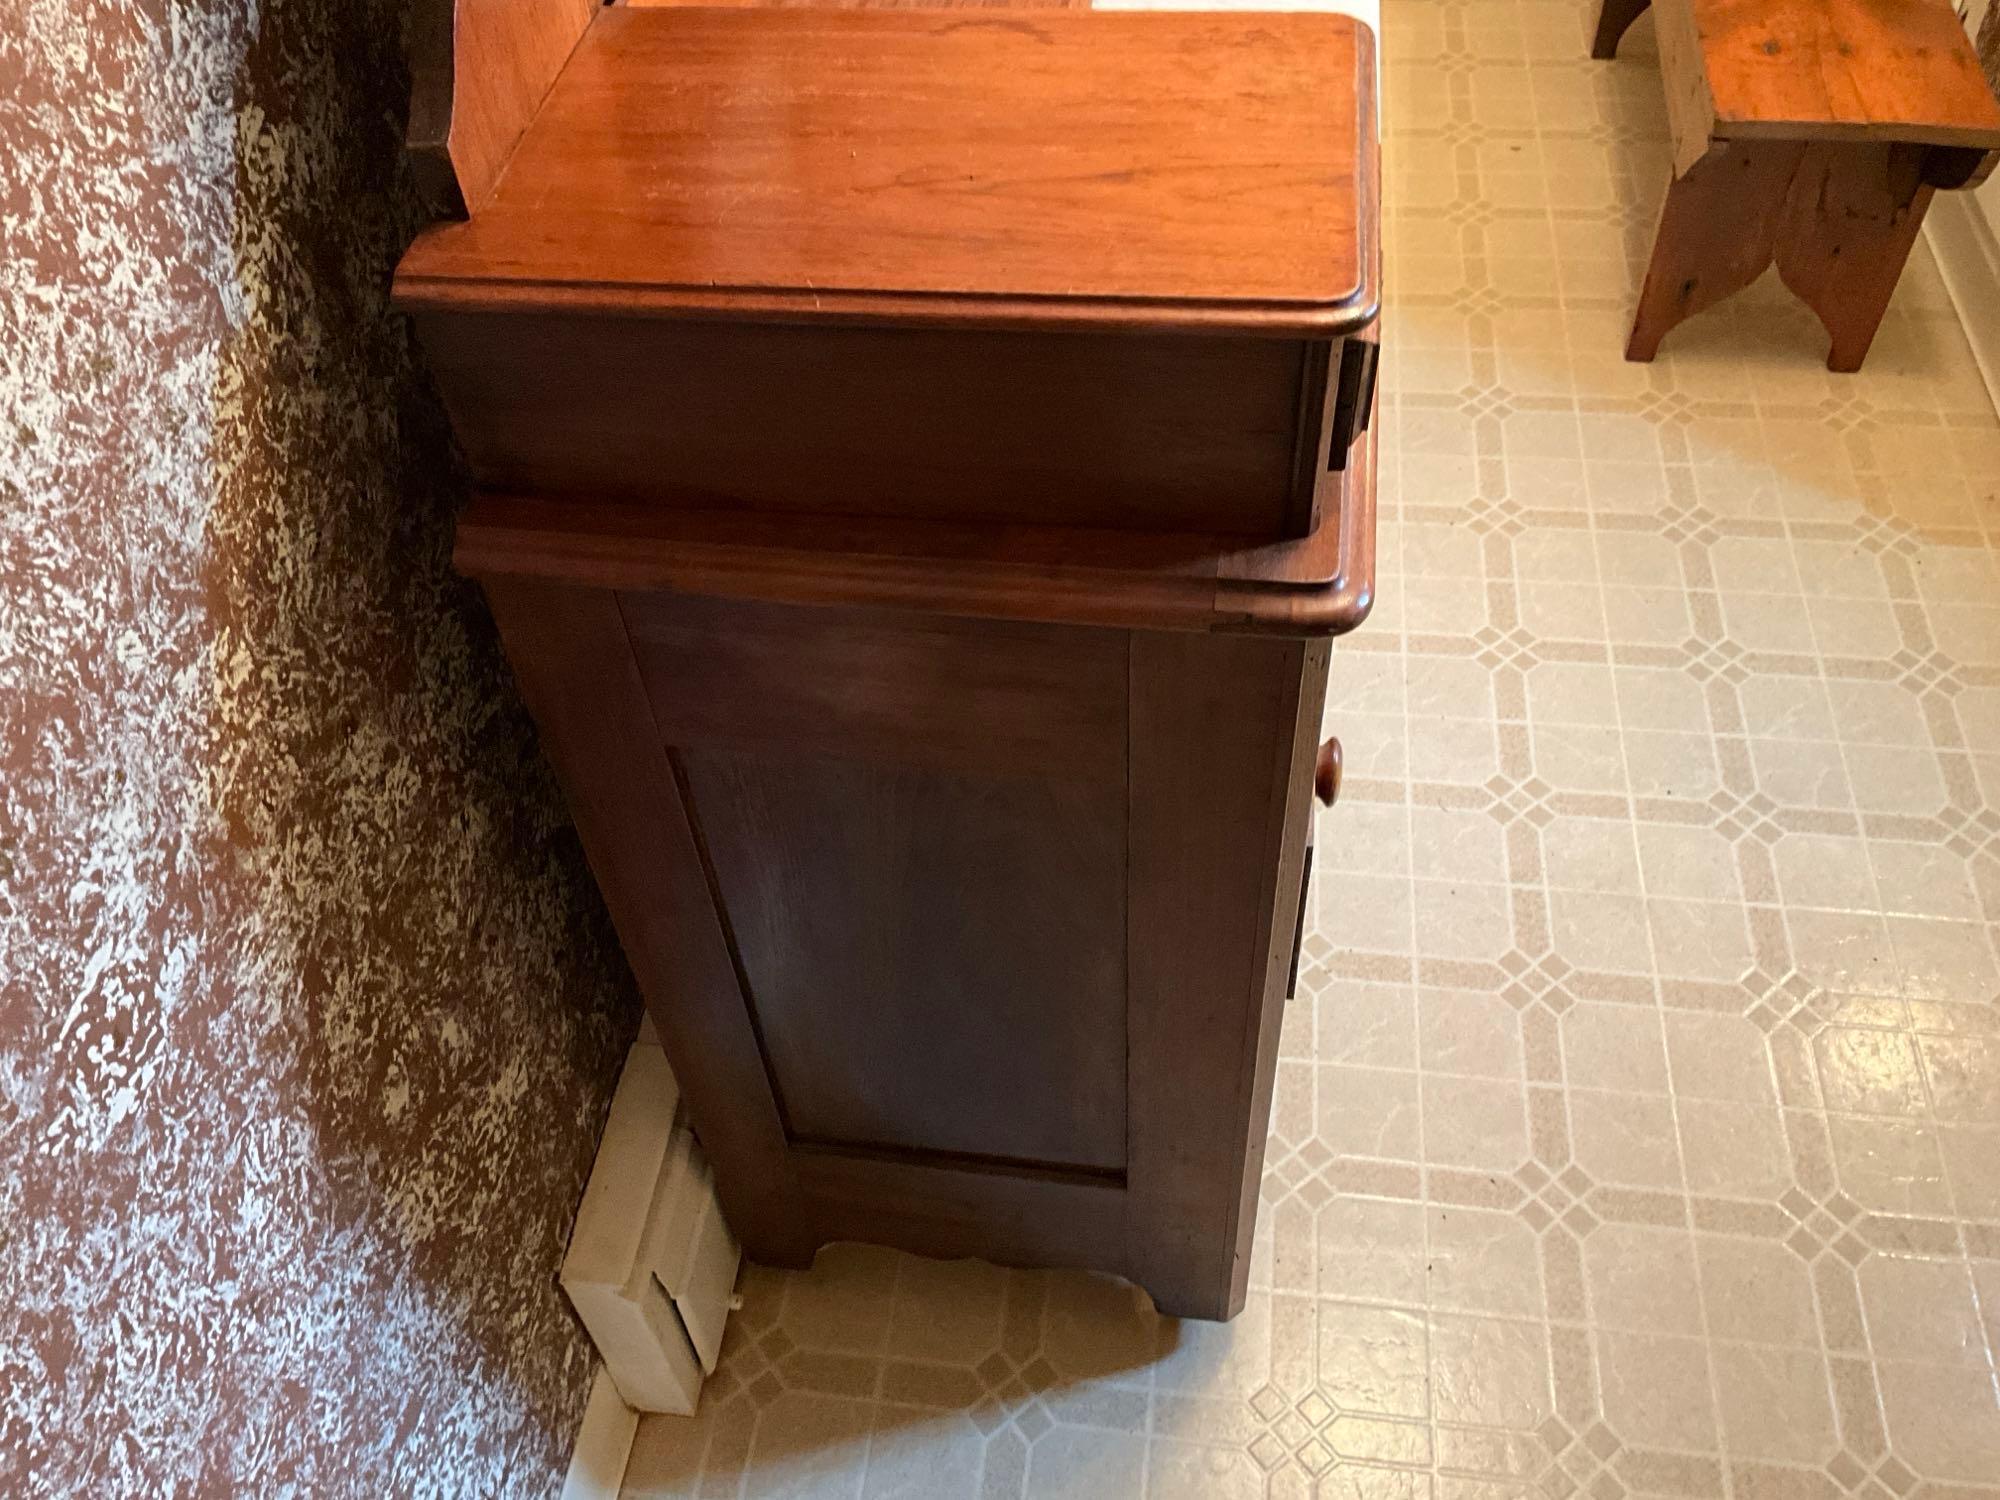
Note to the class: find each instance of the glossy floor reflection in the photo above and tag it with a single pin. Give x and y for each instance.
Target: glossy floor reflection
(1638, 1126)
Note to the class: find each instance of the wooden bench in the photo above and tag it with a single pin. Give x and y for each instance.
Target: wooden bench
(1809, 132)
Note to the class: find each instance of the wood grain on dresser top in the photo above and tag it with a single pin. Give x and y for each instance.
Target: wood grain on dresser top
(986, 168)
(479, 69)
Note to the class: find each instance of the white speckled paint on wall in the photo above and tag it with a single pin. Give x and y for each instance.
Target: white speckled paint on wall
(308, 1012)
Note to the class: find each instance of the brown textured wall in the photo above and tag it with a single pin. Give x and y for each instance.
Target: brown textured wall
(308, 1013)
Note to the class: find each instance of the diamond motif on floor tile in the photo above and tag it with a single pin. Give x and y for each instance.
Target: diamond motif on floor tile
(1896, 1476)
(1970, 830)
(1580, 1465)
(1033, 1420)
(1753, 815)
(1823, 1225)
(1846, 413)
(1484, 401)
(1688, 523)
(1556, 1202)
(1520, 799)
(1667, 407)
(1487, 515)
(1291, 1428)
(1927, 672)
(1269, 1452)
(1791, 1000)
(1468, 210)
(1297, 1433)
(1880, 534)
(1579, 1221)
(1513, 648)
(1297, 1172)
(1707, 660)
(1846, 1472)
(1536, 981)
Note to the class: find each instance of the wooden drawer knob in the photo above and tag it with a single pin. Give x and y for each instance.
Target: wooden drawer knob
(1326, 774)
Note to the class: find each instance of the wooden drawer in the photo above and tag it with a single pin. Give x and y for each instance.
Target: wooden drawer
(1191, 432)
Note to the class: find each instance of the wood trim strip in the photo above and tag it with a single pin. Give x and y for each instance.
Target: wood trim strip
(1322, 584)
(1210, 718)
(685, 792)
(479, 71)
(960, 1211)
(574, 663)
(421, 292)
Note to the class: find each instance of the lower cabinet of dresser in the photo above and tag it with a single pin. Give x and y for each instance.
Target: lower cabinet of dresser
(967, 937)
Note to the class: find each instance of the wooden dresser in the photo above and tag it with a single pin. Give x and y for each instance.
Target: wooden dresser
(921, 455)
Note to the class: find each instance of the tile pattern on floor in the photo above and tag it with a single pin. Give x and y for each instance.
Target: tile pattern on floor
(1638, 1122)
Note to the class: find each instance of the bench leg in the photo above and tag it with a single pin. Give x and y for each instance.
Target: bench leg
(1718, 231)
(1613, 20)
(1850, 220)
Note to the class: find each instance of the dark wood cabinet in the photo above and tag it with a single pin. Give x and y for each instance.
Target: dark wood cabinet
(915, 531)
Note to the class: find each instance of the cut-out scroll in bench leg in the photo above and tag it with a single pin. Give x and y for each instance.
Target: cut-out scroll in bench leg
(1613, 21)
(1718, 231)
(1850, 219)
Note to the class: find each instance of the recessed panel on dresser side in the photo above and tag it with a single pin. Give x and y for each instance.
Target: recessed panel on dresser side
(914, 829)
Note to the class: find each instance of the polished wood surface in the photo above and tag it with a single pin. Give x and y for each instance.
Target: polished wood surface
(1321, 584)
(1177, 169)
(921, 691)
(806, 297)
(974, 5)
(856, 784)
(575, 667)
(1195, 432)
(1327, 768)
(935, 959)
(1221, 737)
(479, 69)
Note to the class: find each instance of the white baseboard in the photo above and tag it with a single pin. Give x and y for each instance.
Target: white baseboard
(1968, 258)
(603, 1444)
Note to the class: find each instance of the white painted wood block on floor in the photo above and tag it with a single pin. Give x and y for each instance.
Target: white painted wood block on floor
(603, 1444)
(651, 1263)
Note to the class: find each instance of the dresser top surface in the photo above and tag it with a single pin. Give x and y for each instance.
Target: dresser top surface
(978, 167)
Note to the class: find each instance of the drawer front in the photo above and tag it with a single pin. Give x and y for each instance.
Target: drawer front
(1185, 433)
